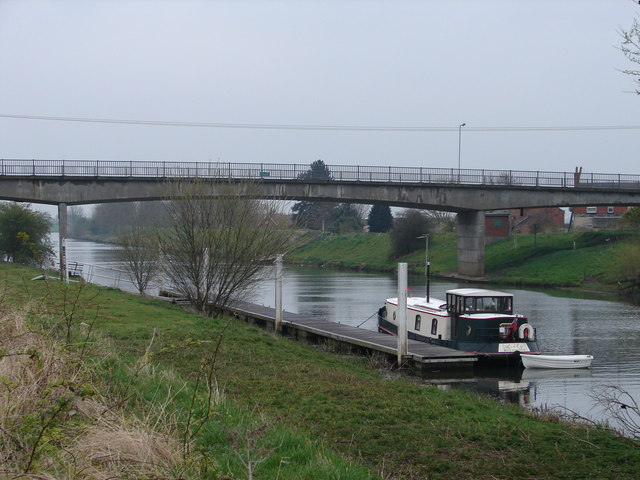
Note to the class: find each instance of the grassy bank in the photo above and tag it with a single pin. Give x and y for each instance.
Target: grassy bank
(294, 411)
(552, 260)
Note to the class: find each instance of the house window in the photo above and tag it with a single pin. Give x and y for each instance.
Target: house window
(609, 209)
(418, 322)
(434, 326)
(592, 209)
(497, 223)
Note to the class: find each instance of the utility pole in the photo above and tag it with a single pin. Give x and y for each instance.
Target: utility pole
(459, 145)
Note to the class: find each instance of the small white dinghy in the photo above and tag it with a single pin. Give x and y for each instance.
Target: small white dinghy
(556, 361)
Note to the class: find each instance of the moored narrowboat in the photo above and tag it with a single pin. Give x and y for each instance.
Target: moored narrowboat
(471, 320)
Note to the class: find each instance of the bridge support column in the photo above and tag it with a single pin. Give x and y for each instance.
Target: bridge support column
(470, 229)
(62, 225)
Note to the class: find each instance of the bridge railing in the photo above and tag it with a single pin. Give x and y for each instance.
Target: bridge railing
(345, 173)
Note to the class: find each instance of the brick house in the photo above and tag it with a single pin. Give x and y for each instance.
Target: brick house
(497, 225)
(538, 220)
(501, 224)
(596, 217)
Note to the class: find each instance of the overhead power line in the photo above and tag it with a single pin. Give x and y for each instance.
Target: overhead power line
(357, 128)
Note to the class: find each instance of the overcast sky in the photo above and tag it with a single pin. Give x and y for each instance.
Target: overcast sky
(430, 63)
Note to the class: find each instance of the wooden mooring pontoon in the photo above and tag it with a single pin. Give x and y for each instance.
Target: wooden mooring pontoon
(421, 356)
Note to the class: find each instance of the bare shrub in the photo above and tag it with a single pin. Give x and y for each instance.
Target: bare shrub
(218, 240)
(621, 407)
(139, 253)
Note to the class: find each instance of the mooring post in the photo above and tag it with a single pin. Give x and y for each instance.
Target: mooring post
(403, 343)
(62, 227)
(278, 324)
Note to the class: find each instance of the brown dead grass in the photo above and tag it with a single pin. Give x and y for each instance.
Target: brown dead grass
(125, 448)
(84, 440)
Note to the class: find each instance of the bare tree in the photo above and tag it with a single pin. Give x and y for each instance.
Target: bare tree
(139, 253)
(444, 221)
(621, 407)
(631, 49)
(218, 239)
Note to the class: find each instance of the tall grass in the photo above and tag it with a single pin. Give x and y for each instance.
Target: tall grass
(86, 408)
(53, 420)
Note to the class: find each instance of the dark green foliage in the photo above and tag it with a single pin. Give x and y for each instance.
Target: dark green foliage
(315, 215)
(347, 219)
(407, 227)
(317, 171)
(380, 219)
(24, 233)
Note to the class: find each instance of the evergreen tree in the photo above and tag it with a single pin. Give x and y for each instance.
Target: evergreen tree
(380, 219)
(315, 215)
(347, 219)
(317, 171)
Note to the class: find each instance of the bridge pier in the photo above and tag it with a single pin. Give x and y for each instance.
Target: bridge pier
(62, 225)
(470, 227)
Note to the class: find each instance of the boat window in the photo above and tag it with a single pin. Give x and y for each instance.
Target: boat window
(394, 315)
(505, 305)
(434, 326)
(418, 322)
(487, 304)
(494, 304)
(469, 305)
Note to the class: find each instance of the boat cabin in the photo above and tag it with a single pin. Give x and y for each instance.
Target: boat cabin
(463, 301)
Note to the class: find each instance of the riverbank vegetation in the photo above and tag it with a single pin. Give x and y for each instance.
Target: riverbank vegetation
(576, 259)
(216, 398)
(24, 234)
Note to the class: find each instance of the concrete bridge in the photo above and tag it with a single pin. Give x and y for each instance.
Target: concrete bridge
(468, 192)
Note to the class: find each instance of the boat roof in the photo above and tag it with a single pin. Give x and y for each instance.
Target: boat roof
(421, 302)
(478, 292)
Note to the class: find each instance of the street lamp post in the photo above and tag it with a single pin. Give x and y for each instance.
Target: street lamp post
(459, 145)
(427, 265)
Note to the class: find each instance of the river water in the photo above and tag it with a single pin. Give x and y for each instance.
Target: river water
(609, 330)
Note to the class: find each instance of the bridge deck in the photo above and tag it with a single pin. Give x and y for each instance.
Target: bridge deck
(420, 352)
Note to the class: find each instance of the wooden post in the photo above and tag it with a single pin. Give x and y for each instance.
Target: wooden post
(62, 224)
(403, 344)
(278, 324)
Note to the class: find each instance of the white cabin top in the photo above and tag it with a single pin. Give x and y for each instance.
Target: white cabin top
(478, 292)
(435, 304)
(467, 301)
(464, 301)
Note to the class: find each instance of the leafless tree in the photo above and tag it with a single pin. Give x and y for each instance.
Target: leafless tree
(139, 253)
(631, 49)
(444, 221)
(218, 239)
